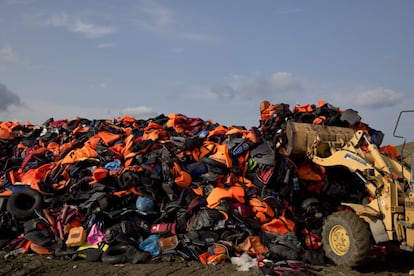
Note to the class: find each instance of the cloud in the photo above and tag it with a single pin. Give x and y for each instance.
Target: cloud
(19, 2)
(90, 30)
(9, 55)
(107, 45)
(138, 112)
(223, 91)
(57, 20)
(184, 91)
(99, 84)
(156, 18)
(38, 111)
(199, 37)
(236, 87)
(77, 25)
(289, 10)
(257, 85)
(178, 51)
(378, 97)
(286, 82)
(8, 98)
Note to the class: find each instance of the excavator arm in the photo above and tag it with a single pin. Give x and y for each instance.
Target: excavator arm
(352, 162)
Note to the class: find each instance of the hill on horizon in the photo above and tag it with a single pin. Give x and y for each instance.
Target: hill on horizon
(406, 154)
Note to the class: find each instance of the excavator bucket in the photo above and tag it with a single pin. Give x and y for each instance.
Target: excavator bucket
(301, 136)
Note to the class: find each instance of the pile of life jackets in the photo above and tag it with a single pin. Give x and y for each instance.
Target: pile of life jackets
(130, 190)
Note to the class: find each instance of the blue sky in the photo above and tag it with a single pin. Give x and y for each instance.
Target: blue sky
(218, 60)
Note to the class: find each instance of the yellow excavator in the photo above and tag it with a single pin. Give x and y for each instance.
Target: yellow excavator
(387, 212)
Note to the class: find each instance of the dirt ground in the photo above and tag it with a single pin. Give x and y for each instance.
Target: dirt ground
(394, 263)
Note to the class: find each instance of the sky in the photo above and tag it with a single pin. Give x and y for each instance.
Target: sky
(218, 60)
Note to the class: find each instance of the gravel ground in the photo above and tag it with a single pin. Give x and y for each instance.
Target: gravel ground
(394, 263)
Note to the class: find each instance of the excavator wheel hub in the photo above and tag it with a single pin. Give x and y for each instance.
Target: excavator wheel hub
(339, 240)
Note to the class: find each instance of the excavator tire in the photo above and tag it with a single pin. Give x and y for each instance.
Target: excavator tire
(346, 239)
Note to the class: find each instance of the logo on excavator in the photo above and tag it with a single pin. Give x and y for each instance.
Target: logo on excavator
(355, 158)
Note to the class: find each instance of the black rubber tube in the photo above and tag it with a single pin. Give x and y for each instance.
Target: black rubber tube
(23, 204)
(119, 254)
